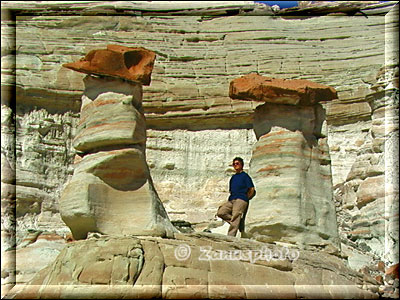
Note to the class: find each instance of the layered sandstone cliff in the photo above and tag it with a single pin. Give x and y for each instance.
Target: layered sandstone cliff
(194, 127)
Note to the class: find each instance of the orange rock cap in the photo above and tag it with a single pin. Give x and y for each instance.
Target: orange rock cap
(132, 64)
(281, 91)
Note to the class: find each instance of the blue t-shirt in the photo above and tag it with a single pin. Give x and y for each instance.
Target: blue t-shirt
(238, 186)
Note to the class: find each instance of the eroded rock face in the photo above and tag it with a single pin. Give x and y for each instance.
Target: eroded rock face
(189, 86)
(8, 178)
(310, 120)
(33, 255)
(133, 64)
(290, 164)
(199, 63)
(368, 197)
(111, 190)
(149, 267)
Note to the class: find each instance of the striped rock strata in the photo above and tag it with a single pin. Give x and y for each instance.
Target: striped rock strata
(111, 190)
(8, 187)
(290, 164)
(201, 266)
(113, 111)
(196, 59)
(369, 194)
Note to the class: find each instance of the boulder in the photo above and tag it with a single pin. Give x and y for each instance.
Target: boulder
(393, 271)
(370, 190)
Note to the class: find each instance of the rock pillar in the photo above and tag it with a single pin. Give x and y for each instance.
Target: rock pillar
(290, 164)
(111, 190)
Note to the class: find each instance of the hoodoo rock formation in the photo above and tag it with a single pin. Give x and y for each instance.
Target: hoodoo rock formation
(199, 265)
(117, 150)
(290, 163)
(111, 190)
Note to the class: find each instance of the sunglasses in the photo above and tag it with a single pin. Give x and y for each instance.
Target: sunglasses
(236, 163)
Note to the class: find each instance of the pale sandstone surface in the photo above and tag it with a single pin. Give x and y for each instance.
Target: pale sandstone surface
(206, 50)
(120, 266)
(45, 140)
(309, 120)
(30, 259)
(8, 187)
(219, 45)
(351, 58)
(107, 86)
(191, 169)
(188, 90)
(293, 202)
(368, 194)
(35, 252)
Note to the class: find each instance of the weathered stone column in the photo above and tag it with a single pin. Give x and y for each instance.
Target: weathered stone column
(111, 190)
(290, 164)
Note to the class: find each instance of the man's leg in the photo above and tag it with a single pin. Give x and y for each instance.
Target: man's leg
(243, 220)
(225, 211)
(239, 207)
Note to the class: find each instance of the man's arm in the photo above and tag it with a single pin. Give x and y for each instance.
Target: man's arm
(250, 193)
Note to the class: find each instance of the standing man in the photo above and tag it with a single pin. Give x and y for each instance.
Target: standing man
(241, 190)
